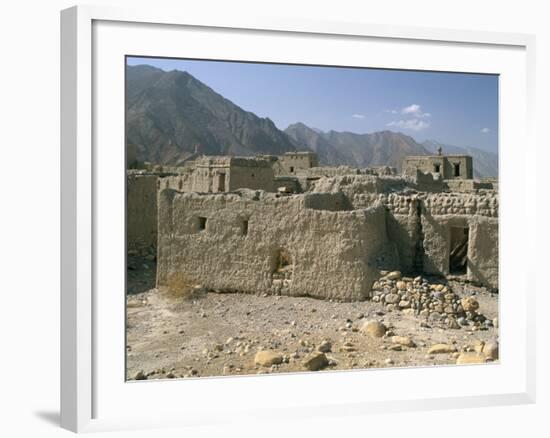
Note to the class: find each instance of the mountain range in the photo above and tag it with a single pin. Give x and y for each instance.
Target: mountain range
(171, 115)
(360, 150)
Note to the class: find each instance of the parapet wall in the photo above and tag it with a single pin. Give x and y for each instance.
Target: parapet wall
(236, 241)
(483, 203)
(359, 184)
(327, 171)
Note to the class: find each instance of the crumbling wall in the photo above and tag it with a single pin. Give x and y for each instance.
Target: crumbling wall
(476, 211)
(353, 185)
(141, 212)
(468, 185)
(419, 225)
(482, 256)
(291, 162)
(429, 182)
(183, 182)
(424, 164)
(333, 254)
(482, 203)
(332, 171)
(441, 164)
(465, 163)
(251, 174)
(222, 174)
(289, 184)
(326, 201)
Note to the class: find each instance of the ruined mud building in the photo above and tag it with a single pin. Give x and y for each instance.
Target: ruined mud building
(248, 225)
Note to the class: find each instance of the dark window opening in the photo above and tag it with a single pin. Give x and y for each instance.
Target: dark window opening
(221, 182)
(291, 169)
(457, 169)
(437, 168)
(202, 223)
(458, 255)
(244, 227)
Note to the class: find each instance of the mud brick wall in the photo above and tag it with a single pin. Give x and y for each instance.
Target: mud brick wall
(234, 242)
(141, 213)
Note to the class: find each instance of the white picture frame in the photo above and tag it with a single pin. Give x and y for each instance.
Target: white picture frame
(91, 391)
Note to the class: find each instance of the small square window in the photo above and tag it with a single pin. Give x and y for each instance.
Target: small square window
(202, 223)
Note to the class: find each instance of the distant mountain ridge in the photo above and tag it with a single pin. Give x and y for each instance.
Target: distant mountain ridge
(384, 148)
(171, 114)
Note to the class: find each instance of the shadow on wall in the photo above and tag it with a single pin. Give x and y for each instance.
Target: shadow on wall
(402, 242)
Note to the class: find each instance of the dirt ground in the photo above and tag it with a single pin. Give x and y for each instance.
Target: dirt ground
(212, 334)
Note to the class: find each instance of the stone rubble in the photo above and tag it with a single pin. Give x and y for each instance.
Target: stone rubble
(435, 302)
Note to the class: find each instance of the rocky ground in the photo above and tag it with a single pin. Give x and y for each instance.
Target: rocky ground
(410, 322)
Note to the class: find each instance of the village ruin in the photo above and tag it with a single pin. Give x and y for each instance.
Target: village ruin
(286, 226)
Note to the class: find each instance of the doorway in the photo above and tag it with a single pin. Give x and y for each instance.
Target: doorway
(458, 255)
(221, 182)
(457, 169)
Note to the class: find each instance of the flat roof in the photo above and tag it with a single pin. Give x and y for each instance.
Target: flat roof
(438, 156)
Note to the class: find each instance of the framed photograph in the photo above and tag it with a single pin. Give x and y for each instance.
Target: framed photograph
(291, 218)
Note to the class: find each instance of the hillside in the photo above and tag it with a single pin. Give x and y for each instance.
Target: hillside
(169, 114)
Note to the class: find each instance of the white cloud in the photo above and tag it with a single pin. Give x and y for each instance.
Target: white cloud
(485, 130)
(392, 111)
(411, 109)
(358, 116)
(413, 119)
(415, 110)
(412, 124)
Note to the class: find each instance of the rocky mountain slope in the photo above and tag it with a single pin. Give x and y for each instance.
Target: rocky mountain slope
(169, 114)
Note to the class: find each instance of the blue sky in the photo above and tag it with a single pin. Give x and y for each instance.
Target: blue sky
(453, 108)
